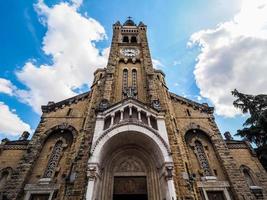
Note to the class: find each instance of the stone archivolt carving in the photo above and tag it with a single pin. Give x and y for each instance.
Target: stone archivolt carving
(129, 164)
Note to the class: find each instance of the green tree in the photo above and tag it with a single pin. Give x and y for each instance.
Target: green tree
(255, 127)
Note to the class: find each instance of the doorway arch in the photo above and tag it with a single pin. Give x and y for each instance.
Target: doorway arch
(147, 158)
(130, 172)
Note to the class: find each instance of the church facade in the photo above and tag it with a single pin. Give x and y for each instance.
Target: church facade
(129, 138)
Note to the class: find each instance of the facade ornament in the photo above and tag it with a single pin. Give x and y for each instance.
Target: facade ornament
(24, 136)
(169, 171)
(103, 105)
(228, 136)
(50, 103)
(156, 104)
(92, 172)
(130, 92)
(4, 141)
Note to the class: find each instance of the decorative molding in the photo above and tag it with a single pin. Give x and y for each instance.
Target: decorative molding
(63, 126)
(15, 147)
(129, 164)
(237, 145)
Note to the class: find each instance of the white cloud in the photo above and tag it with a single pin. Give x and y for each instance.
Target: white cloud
(199, 98)
(157, 64)
(10, 123)
(233, 55)
(70, 41)
(6, 86)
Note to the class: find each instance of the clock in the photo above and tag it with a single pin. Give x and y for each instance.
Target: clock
(129, 52)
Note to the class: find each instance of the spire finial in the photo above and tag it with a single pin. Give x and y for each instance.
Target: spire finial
(129, 18)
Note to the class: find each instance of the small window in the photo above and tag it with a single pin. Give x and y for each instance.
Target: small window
(3, 178)
(69, 112)
(134, 78)
(125, 79)
(188, 112)
(133, 39)
(125, 39)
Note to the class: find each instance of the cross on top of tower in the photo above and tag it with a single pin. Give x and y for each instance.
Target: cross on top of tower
(129, 22)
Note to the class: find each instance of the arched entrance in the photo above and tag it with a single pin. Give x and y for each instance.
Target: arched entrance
(128, 174)
(128, 164)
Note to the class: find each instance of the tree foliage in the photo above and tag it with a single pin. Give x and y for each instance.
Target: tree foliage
(255, 127)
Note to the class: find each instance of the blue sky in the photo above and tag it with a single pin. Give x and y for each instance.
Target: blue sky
(205, 47)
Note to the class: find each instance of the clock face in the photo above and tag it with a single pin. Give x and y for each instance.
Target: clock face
(129, 52)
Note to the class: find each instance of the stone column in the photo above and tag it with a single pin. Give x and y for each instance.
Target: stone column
(112, 120)
(121, 119)
(139, 116)
(130, 111)
(148, 120)
(92, 174)
(169, 179)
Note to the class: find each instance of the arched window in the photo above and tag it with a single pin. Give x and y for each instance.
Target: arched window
(54, 160)
(125, 39)
(202, 158)
(133, 39)
(134, 78)
(4, 176)
(125, 79)
(248, 177)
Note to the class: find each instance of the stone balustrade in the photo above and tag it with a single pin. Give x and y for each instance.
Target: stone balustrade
(130, 114)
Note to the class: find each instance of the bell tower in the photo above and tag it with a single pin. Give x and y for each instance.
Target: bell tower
(130, 156)
(130, 73)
